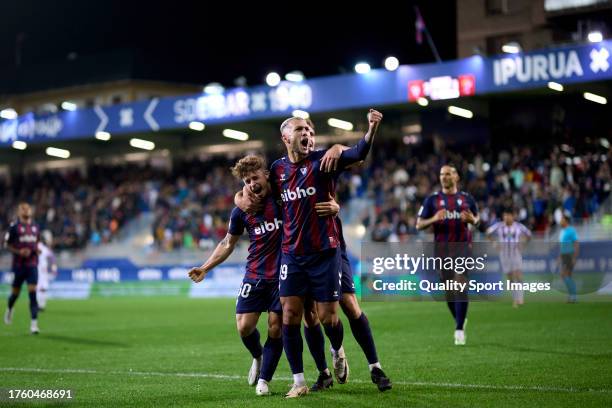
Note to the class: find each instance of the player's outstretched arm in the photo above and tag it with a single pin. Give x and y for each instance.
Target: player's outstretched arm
(374, 119)
(219, 255)
(360, 151)
(329, 161)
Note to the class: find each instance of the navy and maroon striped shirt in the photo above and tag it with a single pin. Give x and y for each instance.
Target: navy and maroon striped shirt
(264, 229)
(300, 186)
(451, 229)
(22, 235)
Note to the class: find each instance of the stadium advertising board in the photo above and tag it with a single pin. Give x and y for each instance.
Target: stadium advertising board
(447, 80)
(120, 277)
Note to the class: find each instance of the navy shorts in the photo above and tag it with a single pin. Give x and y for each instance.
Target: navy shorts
(28, 274)
(348, 284)
(567, 261)
(258, 295)
(315, 275)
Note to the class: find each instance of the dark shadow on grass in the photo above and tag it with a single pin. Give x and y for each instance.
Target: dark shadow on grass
(545, 351)
(82, 341)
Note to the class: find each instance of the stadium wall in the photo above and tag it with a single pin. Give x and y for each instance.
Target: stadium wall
(121, 277)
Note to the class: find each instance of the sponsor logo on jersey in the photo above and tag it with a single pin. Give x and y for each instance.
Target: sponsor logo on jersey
(268, 226)
(28, 238)
(452, 215)
(297, 194)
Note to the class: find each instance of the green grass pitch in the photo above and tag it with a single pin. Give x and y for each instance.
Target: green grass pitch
(168, 351)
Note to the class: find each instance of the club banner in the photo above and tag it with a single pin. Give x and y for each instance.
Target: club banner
(447, 80)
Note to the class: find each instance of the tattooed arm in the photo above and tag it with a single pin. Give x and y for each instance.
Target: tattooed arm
(220, 254)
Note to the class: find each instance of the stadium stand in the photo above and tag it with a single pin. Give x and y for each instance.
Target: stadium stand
(191, 202)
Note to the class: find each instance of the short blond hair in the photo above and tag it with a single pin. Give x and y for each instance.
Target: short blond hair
(287, 121)
(247, 165)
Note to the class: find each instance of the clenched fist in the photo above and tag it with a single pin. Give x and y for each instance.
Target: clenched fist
(374, 118)
(197, 274)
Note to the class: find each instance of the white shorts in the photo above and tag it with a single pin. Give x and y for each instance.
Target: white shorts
(43, 280)
(511, 263)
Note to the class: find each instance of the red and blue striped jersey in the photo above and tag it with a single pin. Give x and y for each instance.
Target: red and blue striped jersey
(23, 235)
(451, 229)
(264, 229)
(300, 186)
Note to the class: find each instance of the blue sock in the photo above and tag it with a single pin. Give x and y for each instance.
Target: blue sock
(33, 305)
(251, 342)
(461, 309)
(12, 299)
(335, 334)
(272, 351)
(571, 286)
(363, 334)
(316, 345)
(293, 345)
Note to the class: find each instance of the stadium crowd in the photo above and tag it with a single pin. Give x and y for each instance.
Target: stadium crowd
(539, 184)
(191, 202)
(78, 208)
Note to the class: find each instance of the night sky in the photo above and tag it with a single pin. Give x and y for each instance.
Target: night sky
(200, 43)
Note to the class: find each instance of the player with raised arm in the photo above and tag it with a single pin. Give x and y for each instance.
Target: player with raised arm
(360, 326)
(22, 241)
(259, 289)
(510, 235)
(450, 212)
(311, 258)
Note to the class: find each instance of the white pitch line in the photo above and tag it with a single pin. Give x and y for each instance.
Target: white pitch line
(238, 377)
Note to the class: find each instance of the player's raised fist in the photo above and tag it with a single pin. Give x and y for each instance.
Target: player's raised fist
(197, 274)
(374, 118)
